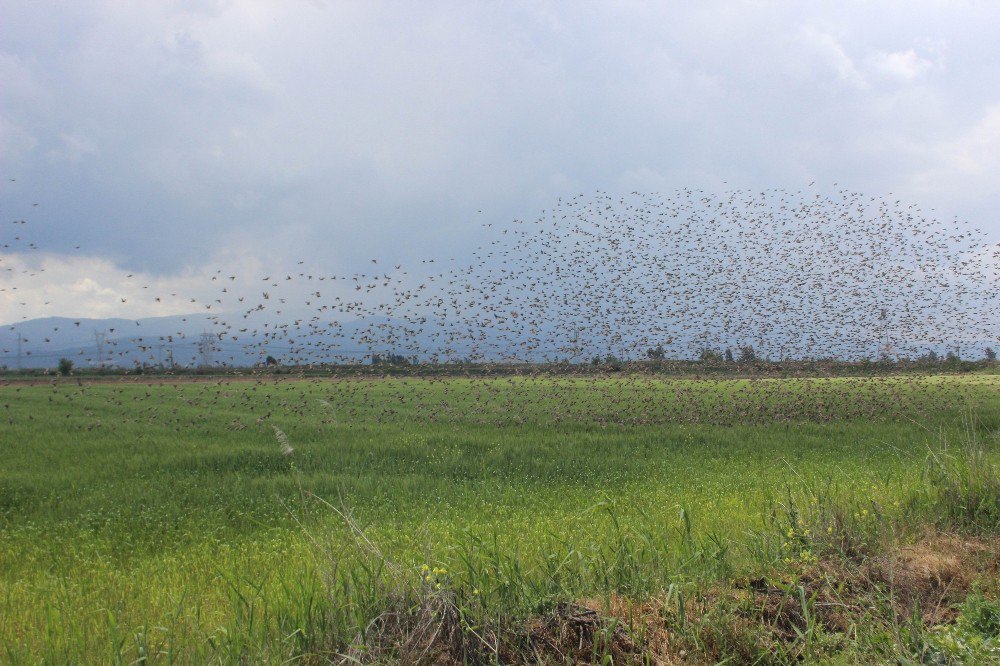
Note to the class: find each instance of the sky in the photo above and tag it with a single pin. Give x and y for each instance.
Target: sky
(170, 140)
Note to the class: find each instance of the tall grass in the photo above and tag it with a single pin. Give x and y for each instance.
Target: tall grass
(962, 484)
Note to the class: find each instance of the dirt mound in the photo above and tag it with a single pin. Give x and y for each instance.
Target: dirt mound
(772, 615)
(934, 574)
(766, 617)
(576, 633)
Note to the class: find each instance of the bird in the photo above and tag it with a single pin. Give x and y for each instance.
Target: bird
(611, 288)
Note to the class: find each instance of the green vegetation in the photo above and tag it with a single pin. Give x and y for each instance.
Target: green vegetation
(65, 367)
(400, 518)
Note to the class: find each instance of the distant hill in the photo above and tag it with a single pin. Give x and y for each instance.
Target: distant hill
(120, 341)
(233, 340)
(126, 343)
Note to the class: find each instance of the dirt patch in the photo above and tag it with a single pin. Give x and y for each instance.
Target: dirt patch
(934, 574)
(577, 634)
(765, 618)
(747, 618)
(428, 630)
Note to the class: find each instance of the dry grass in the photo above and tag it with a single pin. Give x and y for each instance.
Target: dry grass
(779, 615)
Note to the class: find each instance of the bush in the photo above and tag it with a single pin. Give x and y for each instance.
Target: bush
(389, 359)
(708, 355)
(65, 367)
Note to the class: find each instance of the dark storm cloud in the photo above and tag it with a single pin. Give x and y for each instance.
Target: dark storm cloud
(157, 134)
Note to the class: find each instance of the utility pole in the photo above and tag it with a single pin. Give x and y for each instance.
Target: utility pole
(19, 351)
(205, 347)
(883, 346)
(99, 338)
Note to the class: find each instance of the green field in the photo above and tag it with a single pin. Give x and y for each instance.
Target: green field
(165, 520)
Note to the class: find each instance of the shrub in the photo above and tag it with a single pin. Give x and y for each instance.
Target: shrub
(708, 355)
(389, 359)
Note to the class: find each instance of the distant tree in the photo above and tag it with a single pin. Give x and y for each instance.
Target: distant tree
(65, 367)
(990, 354)
(389, 359)
(656, 354)
(952, 357)
(729, 355)
(270, 360)
(596, 360)
(708, 355)
(747, 354)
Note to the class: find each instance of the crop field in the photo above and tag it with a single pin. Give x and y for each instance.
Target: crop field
(264, 520)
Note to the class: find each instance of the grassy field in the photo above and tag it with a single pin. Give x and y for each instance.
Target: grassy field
(169, 520)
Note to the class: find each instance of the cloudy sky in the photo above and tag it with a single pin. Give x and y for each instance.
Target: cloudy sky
(170, 139)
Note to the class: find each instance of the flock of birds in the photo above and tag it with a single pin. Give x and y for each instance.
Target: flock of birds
(610, 287)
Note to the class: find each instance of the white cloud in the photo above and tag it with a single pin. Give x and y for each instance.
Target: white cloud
(20, 82)
(977, 152)
(15, 142)
(74, 148)
(48, 285)
(967, 163)
(41, 284)
(905, 65)
(832, 54)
